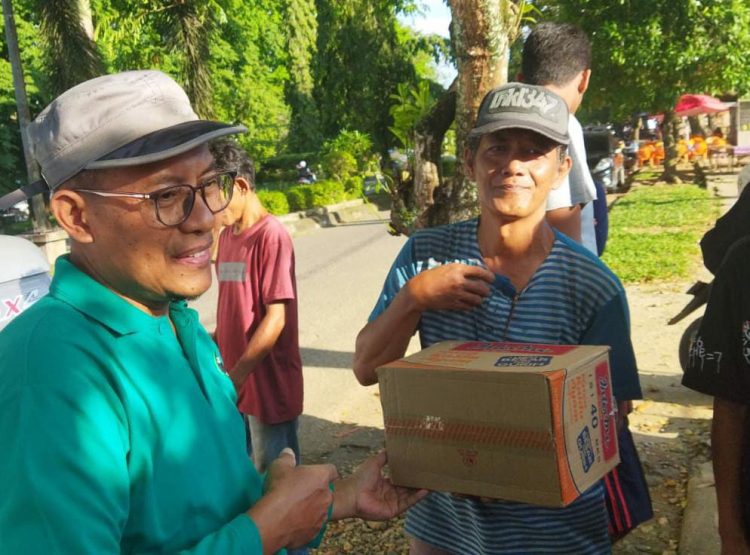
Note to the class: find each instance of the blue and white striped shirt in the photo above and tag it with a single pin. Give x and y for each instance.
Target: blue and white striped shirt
(572, 298)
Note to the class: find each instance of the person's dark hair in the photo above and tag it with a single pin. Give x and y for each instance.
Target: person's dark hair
(229, 155)
(84, 179)
(554, 53)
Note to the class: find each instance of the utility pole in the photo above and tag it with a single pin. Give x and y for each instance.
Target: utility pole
(38, 209)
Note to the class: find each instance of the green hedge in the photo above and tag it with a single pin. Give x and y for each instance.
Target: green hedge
(282, 198)
(274, 201)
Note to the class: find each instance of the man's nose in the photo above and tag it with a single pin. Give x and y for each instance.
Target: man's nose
(513, 164)
(201, 218)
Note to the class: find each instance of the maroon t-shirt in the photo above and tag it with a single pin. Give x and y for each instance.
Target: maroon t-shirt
(256, 268)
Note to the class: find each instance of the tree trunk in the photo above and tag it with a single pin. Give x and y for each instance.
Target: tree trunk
(38, 210)
(670, 136)
(481, 33)
(428, 147)
(695, 126)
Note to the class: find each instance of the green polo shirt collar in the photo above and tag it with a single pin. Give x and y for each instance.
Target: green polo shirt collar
(85, 294)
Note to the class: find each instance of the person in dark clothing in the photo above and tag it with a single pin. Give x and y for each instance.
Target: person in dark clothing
(719, 365)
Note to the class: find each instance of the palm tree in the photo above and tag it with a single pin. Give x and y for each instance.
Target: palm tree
(67, 29)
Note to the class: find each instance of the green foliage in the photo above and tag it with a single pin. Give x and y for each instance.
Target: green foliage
(654, 232)
(304, 129)
(274, 201)
(347, 153)
(339, 164)
(648, 52)
(411, 104)
(363, 54)
(322, 193)
(282, 167)
(300, 197)
(329, 191)
(293, 72)
(359, 145)
(71, 56)
(354, 187)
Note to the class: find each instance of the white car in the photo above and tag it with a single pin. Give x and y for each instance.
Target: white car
(24, 276)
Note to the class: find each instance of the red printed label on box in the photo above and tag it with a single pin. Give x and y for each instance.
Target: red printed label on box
(607, 410)
(523, 348)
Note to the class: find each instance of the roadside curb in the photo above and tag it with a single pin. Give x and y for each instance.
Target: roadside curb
(700, 534)
(348, 212)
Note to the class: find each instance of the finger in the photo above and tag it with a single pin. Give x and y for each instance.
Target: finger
(468, 301)
(478, 272)
(477, 287)
(330, 471)
(381, 459)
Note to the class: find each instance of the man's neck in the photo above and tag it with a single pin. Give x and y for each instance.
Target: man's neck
(515, 248)
(569, 93)
(252, 213)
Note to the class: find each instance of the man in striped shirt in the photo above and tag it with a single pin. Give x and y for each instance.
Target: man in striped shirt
(505, 276)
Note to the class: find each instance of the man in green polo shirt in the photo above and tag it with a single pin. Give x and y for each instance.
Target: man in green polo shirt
(118, 426)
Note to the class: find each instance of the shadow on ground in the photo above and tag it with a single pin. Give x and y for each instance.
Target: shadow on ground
(323, 358)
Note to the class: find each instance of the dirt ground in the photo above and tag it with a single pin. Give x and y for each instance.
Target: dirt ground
(670, 426)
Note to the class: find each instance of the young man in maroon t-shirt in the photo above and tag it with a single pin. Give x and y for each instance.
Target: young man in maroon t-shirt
(256, 322)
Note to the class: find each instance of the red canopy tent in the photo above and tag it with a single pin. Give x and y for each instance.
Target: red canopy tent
(694, 104)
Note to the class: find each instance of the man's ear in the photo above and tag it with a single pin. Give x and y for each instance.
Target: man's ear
(72, 214)
(583, 83)
(243, 184)
(562, 171)
(469, 163)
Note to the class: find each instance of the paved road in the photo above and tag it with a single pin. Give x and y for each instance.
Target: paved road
(340, 271)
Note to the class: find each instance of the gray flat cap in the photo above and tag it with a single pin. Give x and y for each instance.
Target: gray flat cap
(125, 119)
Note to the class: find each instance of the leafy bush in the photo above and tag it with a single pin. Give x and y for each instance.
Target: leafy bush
(339, 164)
(354, 187)
(283, 167)
(274, 201)
(359, 145)
(327, 192)
(299, 197)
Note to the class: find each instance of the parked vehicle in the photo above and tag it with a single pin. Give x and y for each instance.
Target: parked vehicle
(24, 276)
(601, 157)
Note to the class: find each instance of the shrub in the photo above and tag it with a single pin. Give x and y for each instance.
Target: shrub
(327, 192)
(299, 197)
(339, 164)
(274, 201)
(354, 187)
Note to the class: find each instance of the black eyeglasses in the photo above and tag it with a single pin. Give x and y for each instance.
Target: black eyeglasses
(174, 204)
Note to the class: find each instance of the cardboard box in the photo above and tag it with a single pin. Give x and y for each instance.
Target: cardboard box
(522, 422)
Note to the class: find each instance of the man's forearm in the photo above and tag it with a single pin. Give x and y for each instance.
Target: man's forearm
(260, 344)
(727, 434)
(386, 338)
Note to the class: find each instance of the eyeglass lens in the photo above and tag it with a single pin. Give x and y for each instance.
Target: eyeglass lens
(174, 204)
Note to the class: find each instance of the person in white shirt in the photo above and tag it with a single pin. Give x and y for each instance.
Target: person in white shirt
(557, 56)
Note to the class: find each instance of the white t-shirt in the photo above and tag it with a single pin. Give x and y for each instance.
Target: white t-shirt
(578, 187)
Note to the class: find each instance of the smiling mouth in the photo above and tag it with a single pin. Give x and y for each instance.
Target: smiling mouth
(196, 258)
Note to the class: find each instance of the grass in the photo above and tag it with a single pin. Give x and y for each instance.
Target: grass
(654, 232)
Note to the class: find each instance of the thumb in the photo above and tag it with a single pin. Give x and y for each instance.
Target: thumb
(288, 456)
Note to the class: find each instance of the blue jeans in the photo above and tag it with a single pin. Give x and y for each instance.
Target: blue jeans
(265, 441)
(264, 444)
